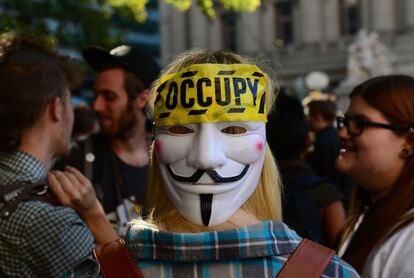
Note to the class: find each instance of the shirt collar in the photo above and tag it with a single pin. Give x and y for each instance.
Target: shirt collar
(268, 238)
(20, 166)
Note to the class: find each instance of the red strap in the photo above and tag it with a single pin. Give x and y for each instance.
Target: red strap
(115, 261)
(309, 260)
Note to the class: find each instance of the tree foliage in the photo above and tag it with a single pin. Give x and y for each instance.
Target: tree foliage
(207, 6)
(73, 23)
(78, 23)
(137, 8)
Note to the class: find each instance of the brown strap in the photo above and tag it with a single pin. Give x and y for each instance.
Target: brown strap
(115, 261)
(309, 260)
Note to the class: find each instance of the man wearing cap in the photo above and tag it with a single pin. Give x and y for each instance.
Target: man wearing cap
(115, 160)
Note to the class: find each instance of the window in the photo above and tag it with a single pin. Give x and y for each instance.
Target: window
(350, 16)
(284, 23)
(228, 21)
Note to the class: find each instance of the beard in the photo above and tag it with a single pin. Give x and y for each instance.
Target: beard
(124, 125)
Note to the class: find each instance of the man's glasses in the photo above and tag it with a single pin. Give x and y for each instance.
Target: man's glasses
(356, 125)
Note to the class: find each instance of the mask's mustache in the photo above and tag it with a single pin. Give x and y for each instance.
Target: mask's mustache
(212, 174)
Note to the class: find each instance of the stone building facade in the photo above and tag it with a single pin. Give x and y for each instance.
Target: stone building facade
(299, 36)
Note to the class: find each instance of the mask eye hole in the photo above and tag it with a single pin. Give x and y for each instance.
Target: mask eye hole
(234, 130)
(180, 129)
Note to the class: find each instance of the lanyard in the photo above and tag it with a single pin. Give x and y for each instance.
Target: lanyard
(120, 183)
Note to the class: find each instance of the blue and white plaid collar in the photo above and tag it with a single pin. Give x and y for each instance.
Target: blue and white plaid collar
(268, 238)
(20, 166)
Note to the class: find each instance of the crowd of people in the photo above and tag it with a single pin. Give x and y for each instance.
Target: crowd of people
(201, 169)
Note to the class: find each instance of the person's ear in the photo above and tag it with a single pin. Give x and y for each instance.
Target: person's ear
(142, 99)
(55, 108)
(408, 147)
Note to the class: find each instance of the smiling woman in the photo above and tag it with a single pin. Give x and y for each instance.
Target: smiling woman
(377, 153)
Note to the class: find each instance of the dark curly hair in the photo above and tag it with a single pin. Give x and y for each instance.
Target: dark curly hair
(31, 75)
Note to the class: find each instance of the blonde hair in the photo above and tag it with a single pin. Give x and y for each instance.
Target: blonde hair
(264, 203)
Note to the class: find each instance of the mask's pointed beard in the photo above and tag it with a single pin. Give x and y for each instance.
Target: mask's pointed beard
(205, 205)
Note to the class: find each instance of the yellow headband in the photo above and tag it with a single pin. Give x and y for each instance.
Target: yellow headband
(206, 93)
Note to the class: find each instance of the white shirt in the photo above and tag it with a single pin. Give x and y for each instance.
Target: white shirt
(394, 258)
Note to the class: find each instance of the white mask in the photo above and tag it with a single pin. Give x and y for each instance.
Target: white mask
(233, 158)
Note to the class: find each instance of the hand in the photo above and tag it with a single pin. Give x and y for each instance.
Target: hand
(72, 189)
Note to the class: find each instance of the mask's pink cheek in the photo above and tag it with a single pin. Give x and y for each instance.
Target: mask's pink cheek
(157, 146)
(259, 146)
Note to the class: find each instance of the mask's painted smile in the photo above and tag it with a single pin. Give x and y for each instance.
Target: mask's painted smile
(214, 175)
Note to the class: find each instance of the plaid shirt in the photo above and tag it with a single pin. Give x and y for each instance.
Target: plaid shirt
(38, 240)
(258, 250)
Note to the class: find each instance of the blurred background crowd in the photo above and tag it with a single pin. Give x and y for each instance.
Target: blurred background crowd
(317, 51)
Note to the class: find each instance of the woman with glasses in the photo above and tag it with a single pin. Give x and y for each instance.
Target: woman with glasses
(377, 138)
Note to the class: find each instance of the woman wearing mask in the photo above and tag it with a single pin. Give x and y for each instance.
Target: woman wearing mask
(377, 137)
(213, 184)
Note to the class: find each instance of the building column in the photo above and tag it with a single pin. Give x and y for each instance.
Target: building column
(204, 33)
(331, 28)
(383, 16)
(249, 39)
(366, 15)
(311, 15)
(173, 32)
(268, 25)
(185, 30)
(408, 8)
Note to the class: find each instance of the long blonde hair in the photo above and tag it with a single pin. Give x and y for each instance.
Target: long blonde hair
(264, 203)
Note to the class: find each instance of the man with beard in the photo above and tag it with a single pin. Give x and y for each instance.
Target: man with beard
(115, 160)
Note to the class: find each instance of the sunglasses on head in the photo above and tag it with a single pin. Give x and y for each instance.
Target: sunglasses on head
(355, 125)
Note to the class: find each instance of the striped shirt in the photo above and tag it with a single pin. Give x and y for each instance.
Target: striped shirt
(258, 250)
(38, 239)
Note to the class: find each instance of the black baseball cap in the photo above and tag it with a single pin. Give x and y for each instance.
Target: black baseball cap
(134, 60)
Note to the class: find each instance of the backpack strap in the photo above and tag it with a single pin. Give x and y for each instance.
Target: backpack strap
(115, 260)
(92, 158)
(310, 260)
(11, 195)
(89, 158)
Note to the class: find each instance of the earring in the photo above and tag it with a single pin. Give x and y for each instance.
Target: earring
(405, 153)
